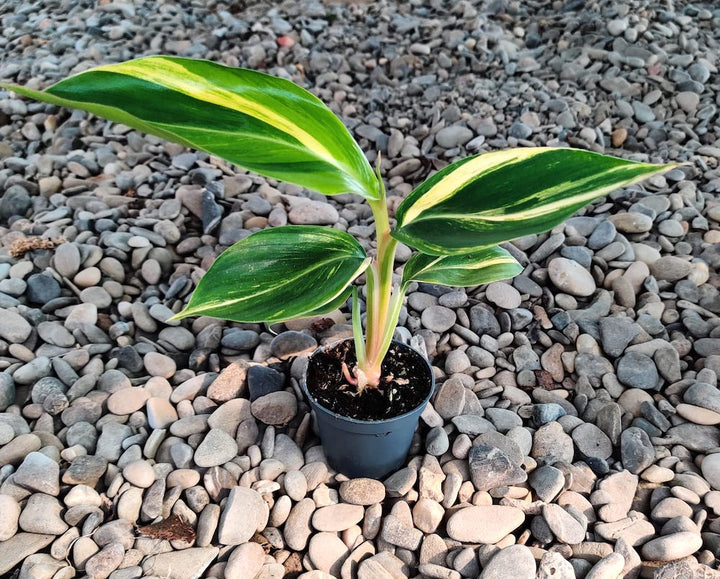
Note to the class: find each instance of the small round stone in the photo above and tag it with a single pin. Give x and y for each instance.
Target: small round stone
(139, 473)
(362, 491)
(484, 524)
(671, 228)
(592, 441)
(333, 518)
(710, 467)
(9, 516)
(670, 268)
(127, 400)
(638, 370)
(159, 364)
(42, 288)
(217, 447)
(570, 277)
(67, 259)
(503, 295)
(88, 277)
(671, 547)
(438, 318)
(14, 327)
(295, 484)
(276, 408)
(41, 514)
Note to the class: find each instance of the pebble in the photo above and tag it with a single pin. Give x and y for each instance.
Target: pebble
(611, 565)
(438, 318)
(159, 365)
(638, 370)
(18, 548)
(519, 558)
(503, 295)
(276, 408)
(484, 524)
(297, 529)
(453, 136)
(636, 450)
(41, 515)
(9, 516)
(570, 277)
(547, 482)
(671, 547)
(139, 473)
(491, 468)
(591, 441)
(245, 513)
(634, 531)
(399, 533)
(42, 289)
(427, 515)
(338, 517)
(217, 447)
(450, 398)
(553, 565)
(312, 213)
(327, 553)
(670, 268)
(39, 473)
(185, 564)
(15, 328)
(103, 563)
(18, 448)
(295, 484)
(246, 561)
(67, 259)
(710, 467)
(85, 470)
(631, 222)
(566, 527)
(127, 400)
(362, 491)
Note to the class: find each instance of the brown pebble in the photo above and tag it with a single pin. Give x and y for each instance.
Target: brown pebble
(619, 136)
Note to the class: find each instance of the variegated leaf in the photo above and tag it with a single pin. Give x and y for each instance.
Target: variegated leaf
(495, 197)
(279, 274)
(479, 267)
(263, 123)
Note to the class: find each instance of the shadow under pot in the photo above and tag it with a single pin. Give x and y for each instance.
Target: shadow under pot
(368, 434)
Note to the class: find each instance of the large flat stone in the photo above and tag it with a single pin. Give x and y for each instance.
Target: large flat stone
(16, 549)
(187, 564)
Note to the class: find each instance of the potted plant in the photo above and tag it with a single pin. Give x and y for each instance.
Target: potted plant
(454, 221)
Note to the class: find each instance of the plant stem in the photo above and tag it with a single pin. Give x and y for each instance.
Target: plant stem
(381, 316)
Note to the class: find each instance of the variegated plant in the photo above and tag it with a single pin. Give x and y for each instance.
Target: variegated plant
(455, 220)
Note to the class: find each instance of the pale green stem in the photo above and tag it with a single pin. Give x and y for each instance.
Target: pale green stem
(392, 317)
(357, 331)
(381, 316)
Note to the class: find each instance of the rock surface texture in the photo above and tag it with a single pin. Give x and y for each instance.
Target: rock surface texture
(576, 428)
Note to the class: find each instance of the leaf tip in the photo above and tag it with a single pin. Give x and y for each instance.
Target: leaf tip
(179, 316)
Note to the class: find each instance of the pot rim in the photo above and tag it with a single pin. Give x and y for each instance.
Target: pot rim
(316, 405)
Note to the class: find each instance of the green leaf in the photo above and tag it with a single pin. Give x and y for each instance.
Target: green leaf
(330, 306)
(263, 123)
(499, 196)
(279, 274)
(470, 269)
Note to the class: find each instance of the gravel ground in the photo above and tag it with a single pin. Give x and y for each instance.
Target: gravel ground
(574, 432)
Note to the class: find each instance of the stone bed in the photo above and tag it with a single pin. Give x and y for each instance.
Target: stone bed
(574, 432)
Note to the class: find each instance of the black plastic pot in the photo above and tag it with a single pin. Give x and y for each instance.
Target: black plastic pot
(359, 448)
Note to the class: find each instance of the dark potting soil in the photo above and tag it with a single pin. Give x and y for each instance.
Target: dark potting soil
(405, 383)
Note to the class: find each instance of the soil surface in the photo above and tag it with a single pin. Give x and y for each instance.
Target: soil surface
(406, 381)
